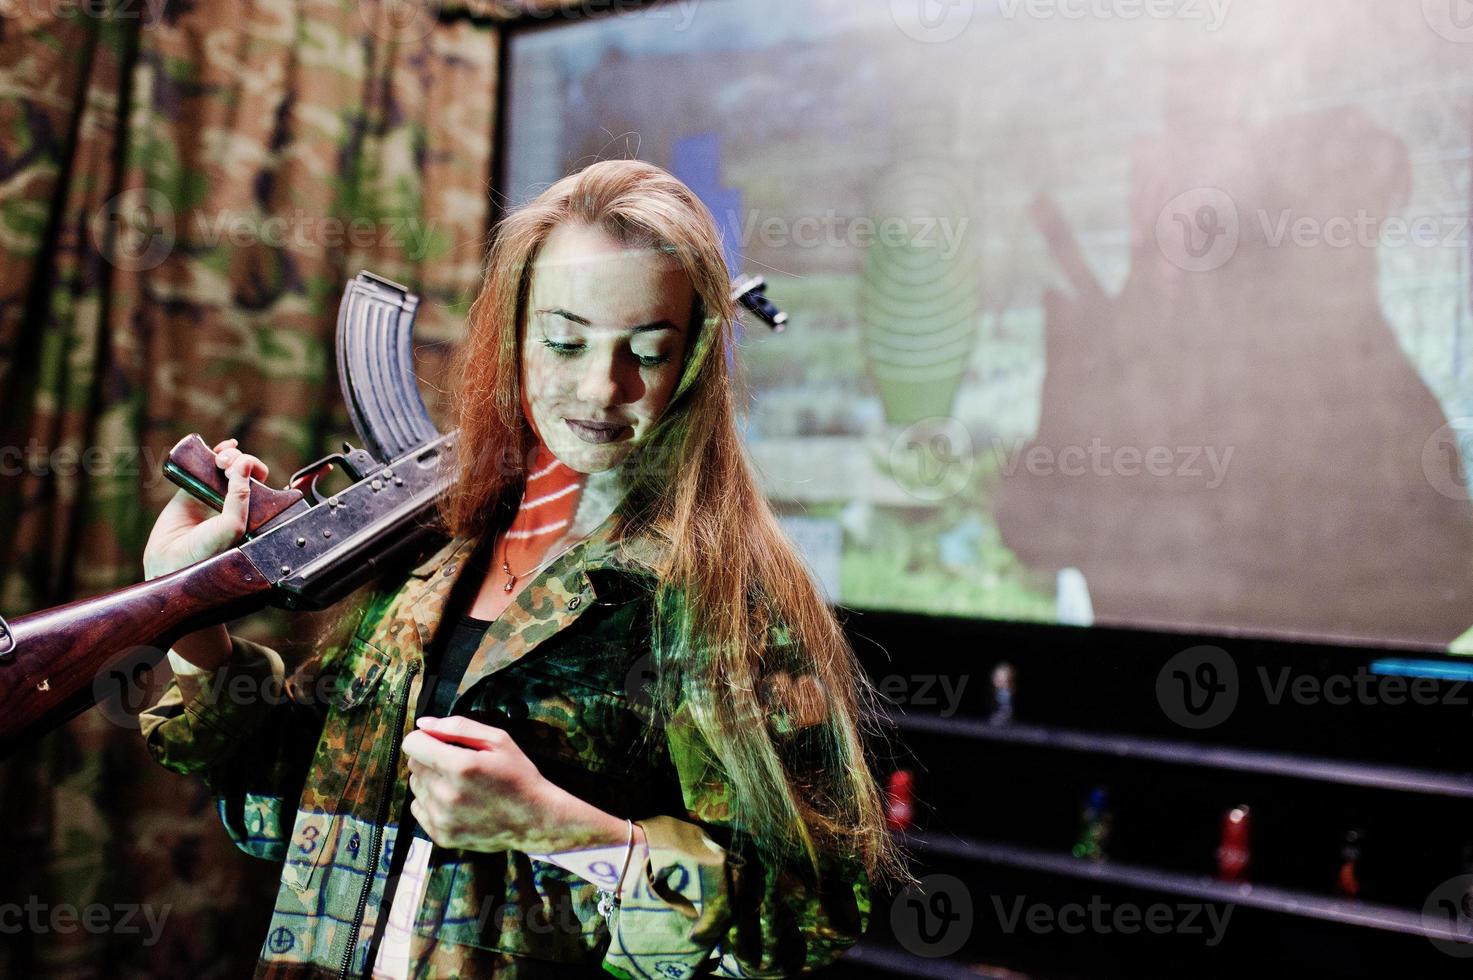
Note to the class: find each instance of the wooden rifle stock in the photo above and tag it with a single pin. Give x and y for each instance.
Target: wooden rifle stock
(61, 655)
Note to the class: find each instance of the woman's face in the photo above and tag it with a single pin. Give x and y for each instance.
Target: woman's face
(604, 342)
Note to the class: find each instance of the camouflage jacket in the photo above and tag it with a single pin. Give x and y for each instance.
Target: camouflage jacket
(314, 778)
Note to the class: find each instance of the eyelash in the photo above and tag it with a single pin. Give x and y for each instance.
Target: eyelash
(571, 350)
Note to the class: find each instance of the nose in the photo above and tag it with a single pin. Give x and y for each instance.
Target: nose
(604, 382)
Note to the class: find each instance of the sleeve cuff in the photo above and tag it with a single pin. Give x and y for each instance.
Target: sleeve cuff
(672, 917)
(682, 856)
(205, 713)
(183, 668)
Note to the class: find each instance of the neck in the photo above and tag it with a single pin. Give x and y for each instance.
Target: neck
(602, 493)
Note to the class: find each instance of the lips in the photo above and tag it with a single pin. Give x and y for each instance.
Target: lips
(596, 432)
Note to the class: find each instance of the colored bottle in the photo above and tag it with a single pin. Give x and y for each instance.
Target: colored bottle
(1003, 680)
(1347, 882)
(1233, 850)
(1094, 835)
(899, 800)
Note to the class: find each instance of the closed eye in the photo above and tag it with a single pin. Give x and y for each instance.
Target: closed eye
(566, 350)
(572, 350)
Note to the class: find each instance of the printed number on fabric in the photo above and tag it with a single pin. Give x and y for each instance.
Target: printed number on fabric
(350, 732)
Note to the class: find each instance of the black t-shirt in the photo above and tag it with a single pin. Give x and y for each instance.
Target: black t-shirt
(450, 654)
(455, 657)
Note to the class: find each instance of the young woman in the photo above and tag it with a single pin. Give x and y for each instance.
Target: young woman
(612, 726)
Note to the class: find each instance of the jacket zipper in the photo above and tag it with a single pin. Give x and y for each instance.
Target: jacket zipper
(385, 798)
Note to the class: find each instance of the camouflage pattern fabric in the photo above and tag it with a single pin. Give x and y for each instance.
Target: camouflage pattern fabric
(184, 190)
(554, 671)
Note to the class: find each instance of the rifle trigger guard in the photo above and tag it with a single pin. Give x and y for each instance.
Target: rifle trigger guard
(7, 640)
(356, 463)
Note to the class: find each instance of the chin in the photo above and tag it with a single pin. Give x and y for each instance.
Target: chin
(588, 459)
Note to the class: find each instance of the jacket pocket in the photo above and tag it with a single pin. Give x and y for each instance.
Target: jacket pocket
(345, 738)
(527, 908)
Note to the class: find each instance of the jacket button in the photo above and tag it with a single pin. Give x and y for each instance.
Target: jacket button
(449, 570)
(574, 602)
(517, 711)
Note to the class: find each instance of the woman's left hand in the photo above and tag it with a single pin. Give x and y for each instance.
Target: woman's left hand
(474, 789)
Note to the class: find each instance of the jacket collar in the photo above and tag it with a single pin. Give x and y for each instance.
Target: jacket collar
(599, 550)
(593, 568)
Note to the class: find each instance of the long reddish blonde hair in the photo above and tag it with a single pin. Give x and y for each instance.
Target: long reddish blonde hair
(741, 630)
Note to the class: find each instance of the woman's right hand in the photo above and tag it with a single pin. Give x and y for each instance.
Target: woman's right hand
(189, 531)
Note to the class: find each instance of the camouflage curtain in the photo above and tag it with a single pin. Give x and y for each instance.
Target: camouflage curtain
(185, 186)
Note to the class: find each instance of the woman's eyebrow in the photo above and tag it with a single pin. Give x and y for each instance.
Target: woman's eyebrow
(585, 322)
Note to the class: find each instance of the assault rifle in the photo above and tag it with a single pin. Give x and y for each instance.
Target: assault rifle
(301, 550)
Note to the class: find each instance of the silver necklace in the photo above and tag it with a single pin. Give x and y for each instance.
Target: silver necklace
(511, 577)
